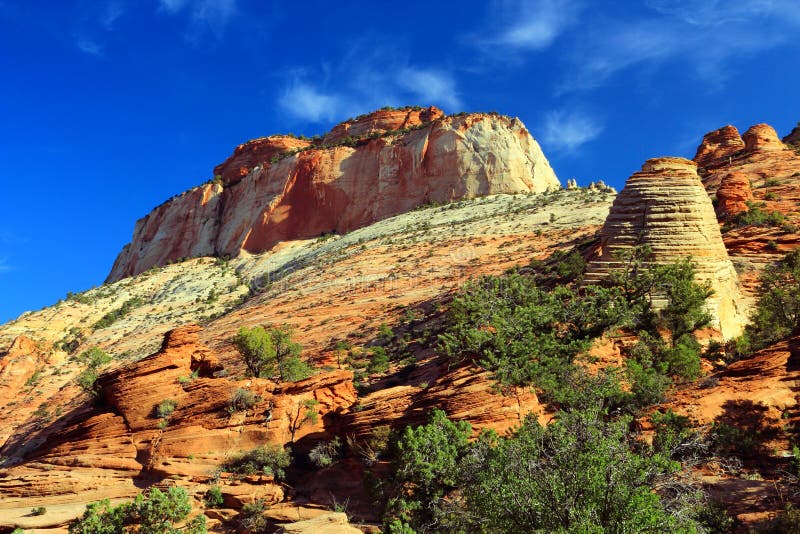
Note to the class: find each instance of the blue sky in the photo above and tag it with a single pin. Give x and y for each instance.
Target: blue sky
(109, 107)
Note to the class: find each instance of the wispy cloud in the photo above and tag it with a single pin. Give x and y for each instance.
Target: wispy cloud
(5, 266)
(566, 131)
(96, 23)
(704, 35)
(525, 25)
(204, 15)
(88, 45)
(368, 77)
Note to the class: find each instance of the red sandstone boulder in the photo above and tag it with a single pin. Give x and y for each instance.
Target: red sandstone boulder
(718, 145)
(733, 193)
(762, 137)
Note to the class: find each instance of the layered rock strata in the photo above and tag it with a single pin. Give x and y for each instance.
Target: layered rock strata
(733, 194)
(665, 206)
(718, 145)
(262, 199)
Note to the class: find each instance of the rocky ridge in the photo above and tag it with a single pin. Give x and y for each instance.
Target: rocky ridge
(265, 196)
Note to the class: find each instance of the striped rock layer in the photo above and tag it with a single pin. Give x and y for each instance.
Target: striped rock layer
(665, 206)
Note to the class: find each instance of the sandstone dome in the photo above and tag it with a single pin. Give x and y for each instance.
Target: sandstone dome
(666, 207)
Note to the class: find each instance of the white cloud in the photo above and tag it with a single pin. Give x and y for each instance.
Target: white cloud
(307, 103)
(430, 85)
(704, 35)
(88, 45)
(204, 15)
(525, 25)
(367, 78)
(566, 131)
(4, 266)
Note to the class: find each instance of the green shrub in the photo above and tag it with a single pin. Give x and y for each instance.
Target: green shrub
(241, 400)
(267, 351)
(154, 511)
(379, 362)
(166, 407)
(269, 460)
(94, 357)
(117, 314)
(87, 381)
(213, 497)
(39, 510)
(755, 216)
(252, 518)
(778, 308)
(325, 453)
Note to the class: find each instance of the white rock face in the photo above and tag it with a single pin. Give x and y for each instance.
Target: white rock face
(666, 207)
(341, 188)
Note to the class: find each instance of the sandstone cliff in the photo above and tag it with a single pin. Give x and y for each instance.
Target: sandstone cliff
(665, 206)
(386, 163)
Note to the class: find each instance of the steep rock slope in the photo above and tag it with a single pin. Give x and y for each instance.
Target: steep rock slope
(665, 206)
(767, 174)
(267, 195)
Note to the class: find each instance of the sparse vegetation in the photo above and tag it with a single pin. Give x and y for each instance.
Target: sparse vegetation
(325, 453)
(119, 313)
(268, 460)
(241, 400)
(213, 497)
(165, 408)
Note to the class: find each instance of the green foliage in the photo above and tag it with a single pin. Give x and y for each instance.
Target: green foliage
(427, 466)
(213, 497)
(787, 522)
(267, 351)
(755, 216)
(153, 512)
(241, 400)
(325, 453)
(269, 460)
(39, 510)
(165, 408)
(778, 309)
(94, 357)
(525, 334)
(252, 518)
(674, 436)
(379, 362)
(117, 314)
(561, 267)
(87, 380)
(579, 474)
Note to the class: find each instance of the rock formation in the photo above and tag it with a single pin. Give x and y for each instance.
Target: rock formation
(762, 137)
(261, 200)
(733, 194)
(665, 206)
(794, 136)
(718, 146)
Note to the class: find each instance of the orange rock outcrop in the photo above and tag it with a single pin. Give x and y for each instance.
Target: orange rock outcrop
(718, 145)
(733, 194)
(794, 136)
(339, 188)
(255, 152)
(762, 137)
(383, 120)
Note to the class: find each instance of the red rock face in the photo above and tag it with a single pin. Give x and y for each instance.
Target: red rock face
(255, 152)
(733, 193)
(794, 137)
(339, 188)
(762, 137)
(381, 121)
(718, 145)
